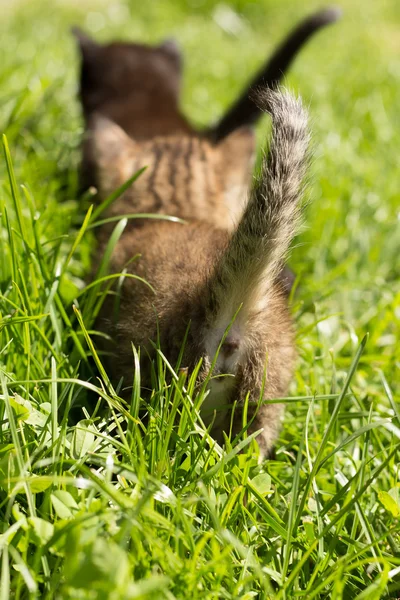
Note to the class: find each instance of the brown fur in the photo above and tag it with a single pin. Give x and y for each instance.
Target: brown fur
(201, 273)
(186, 176)
(135, 85)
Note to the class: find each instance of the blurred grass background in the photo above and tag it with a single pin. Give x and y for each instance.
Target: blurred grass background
(347, 258)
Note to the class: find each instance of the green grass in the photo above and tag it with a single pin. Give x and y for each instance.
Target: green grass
(112, 507)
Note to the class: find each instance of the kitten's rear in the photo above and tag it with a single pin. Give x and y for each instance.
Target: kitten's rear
(202, 276)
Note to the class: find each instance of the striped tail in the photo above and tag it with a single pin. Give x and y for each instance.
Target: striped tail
(244, 111)
(255, 254)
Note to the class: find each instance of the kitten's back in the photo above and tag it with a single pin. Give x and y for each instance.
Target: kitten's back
(186, 176)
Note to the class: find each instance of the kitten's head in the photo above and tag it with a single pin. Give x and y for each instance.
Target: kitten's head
(119, 71)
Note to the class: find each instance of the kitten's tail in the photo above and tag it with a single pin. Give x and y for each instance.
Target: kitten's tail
(255, 254)
(244, 111)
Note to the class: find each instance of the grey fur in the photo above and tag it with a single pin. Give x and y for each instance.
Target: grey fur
(259, 246)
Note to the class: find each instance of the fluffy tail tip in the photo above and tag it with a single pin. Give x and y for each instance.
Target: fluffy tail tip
(283, 106)
(327, 15)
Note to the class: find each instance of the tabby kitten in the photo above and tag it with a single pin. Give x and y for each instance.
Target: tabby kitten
(202, 274)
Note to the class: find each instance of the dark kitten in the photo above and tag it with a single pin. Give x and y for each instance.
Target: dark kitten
(138, 86)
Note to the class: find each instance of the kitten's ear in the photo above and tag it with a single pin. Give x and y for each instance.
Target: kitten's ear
(108, 154)
(107, 144)
(237, 155)
(108, 140)
(87, 45)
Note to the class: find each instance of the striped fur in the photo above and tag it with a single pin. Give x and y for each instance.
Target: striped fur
(186, 176)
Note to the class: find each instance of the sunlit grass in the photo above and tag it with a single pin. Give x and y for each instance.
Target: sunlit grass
(105, 494)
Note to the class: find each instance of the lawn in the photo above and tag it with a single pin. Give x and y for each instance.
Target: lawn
(95, 503)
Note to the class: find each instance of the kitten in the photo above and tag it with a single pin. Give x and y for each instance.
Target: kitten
(201, 273)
